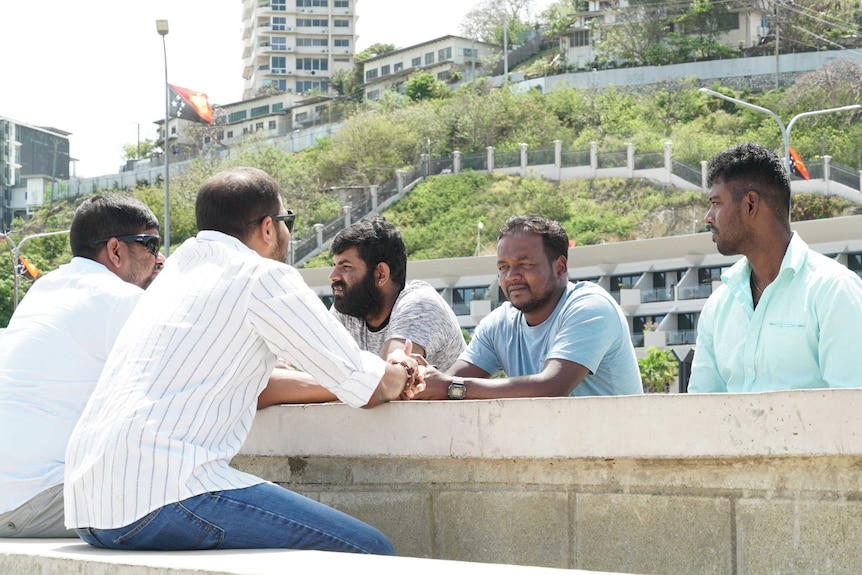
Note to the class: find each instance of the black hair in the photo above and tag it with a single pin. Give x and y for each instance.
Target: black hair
(752, 167)
(232, 200)
(377, 242)
(554, 237)
(105, 216)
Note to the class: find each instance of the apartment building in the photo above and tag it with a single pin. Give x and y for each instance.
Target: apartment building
(34, 163)
(447, 58)
(296, 46)
(661, 284)
(738, 28)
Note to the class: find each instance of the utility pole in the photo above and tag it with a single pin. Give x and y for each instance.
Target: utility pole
(776, 17)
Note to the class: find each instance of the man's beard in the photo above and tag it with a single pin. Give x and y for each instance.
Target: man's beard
(534, 302)
(361, 300)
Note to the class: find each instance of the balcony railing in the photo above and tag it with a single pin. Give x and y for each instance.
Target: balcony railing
(657, 294)
(702, 291)
(682, 337)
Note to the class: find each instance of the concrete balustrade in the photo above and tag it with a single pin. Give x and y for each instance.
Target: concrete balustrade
(729, 484)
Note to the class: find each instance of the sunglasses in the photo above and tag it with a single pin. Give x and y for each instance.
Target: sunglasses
(289, 219)
(150, 242)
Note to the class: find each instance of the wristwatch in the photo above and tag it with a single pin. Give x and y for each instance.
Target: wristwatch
(457, 389)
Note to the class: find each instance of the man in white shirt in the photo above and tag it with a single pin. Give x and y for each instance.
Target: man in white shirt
(148, 465)
(55, 348)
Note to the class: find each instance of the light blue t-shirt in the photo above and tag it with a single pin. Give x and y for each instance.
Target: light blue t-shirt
(586, 327)
(806, 331)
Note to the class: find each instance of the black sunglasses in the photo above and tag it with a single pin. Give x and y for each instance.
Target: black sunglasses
(150, 242)
(289, 219)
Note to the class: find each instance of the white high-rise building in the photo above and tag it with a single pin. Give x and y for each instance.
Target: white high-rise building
(296, 45)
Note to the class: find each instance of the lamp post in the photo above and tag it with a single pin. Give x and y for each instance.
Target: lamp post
(785, 132)
(162, 29)
(16, 250)
(479, 227)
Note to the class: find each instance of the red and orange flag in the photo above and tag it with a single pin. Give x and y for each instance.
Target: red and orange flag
(796, 165)
(190, 105)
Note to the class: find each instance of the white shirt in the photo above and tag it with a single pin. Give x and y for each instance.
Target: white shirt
(50, 359)
(179, 391)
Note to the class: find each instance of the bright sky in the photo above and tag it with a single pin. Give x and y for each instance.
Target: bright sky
(96, 67)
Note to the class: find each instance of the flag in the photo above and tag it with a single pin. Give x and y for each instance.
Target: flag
(797, 167)
(190, 105)
(27, 268)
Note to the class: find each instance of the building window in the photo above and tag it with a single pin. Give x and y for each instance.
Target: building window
(259, 111)
(279, 23)
(444, 54)
(312, 3)
(312, 42)
(220, 135)
(341, 3)
(398, 67)
(341, 43)
(279, 43)
(278, 65)
(461, 298)
(312, 64)
(370, 74)
(709, 275)
(579, 38)
(280, 85)
(272, 124)
(384, 70)
(258, 126)
(230, 133)
(312, 22)
(471, 52)
(309, 85)
(341, 23)
(342, 59)
(373, 95)
(301, 118)
(279, 5)
(416, 62)
(445, 75)
(624, 282)
(429, 58)
(207, 139)
(236, 117)
(278, 108)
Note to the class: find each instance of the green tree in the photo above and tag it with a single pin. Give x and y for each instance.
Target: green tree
(659, 368)
(137, 151)
(424, 86)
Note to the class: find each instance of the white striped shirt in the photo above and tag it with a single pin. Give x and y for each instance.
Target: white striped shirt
(179, 391)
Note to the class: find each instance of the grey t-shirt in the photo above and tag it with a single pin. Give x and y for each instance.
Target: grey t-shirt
(420, 315)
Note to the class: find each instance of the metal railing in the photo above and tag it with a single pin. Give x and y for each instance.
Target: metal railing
(507, 159)
(575, 158)
(656, 294)
(702, 291)
(688, 173)
(477, 162)
(617, 159)
(681, 337)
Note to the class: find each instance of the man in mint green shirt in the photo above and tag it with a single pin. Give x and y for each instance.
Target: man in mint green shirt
(786, 317)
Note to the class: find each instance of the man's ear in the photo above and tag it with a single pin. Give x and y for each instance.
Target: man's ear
(381, 273)
(111, 255)
(753, 202)
(562, 266)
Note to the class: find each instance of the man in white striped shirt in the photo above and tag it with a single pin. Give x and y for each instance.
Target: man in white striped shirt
(148, 463)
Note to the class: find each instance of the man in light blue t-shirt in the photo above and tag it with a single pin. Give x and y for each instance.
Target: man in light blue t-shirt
(552, 338)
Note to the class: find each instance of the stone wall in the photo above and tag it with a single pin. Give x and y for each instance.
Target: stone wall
(730, 484)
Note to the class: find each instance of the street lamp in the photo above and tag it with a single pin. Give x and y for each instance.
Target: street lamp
(785, 132)
(479, 227)
(162, 29)
(16, 249)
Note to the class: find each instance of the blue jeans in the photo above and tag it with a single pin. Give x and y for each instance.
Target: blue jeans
(264, 516)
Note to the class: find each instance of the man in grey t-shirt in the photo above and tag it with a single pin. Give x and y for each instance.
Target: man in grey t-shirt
(380, 309)
(376, 304)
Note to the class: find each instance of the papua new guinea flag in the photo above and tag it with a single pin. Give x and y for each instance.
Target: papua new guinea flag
(190, 105)
(796, 165)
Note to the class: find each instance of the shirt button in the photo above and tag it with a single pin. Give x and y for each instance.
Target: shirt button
(752, 334)
(11, 526)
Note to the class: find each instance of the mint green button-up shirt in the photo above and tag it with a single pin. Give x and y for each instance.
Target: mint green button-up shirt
(805, 333)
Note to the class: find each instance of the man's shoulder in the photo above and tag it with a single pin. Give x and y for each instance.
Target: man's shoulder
(419, 293)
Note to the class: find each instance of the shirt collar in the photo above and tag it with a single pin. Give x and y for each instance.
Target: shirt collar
(794, 258)
(222, 238)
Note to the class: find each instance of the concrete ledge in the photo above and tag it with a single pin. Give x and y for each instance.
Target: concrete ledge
(720, 484)
(808, 422)
(63, 556)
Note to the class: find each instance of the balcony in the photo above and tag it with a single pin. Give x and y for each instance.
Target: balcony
(701, 291)
(681, 337)
(657, 294)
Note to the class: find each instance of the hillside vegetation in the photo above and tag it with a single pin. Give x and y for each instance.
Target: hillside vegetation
(439, 218)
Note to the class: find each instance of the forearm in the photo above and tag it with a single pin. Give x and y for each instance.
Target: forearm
(391, 385)
(292, 386)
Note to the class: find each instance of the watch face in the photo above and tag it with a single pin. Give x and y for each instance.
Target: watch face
(457, 390)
